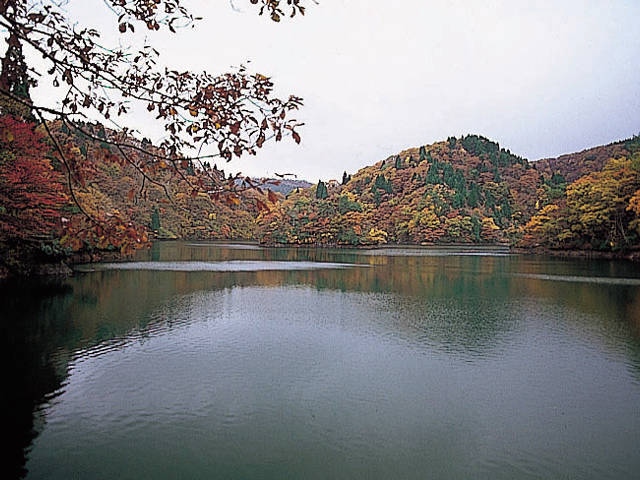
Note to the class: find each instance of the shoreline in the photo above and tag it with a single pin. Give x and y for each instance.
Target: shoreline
(629, 255)
(64, 268)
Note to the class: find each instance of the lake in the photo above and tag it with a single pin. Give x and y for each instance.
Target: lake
(232, 361)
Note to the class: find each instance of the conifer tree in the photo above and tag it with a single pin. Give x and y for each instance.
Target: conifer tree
(321, 190)
(423, 153)
(155, 219)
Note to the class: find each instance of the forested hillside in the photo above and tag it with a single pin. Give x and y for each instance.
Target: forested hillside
(110, 199)
(592, 200)
(466, 190)
(463, 190)
(469, 190)
(575, 165)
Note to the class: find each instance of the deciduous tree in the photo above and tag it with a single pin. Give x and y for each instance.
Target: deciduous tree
(31, 192)
(234, 113)
(216, 115)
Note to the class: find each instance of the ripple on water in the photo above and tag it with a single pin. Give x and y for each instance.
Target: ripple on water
(580, 279)
(228, 266)
(231, 246)
(438, 252)
(367, 380)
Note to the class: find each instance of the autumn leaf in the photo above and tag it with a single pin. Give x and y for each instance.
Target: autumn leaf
(235, 128)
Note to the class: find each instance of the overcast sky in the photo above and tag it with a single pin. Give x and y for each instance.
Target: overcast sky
(541, 77)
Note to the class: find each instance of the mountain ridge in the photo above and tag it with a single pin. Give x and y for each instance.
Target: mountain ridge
(463, 190)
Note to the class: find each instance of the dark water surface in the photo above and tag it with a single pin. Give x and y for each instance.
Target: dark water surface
(236, 362)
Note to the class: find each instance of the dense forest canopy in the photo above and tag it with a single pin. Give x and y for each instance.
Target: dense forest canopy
(461, 190)
(470, 190)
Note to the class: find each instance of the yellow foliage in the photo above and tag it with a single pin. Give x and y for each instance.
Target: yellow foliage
(376, 235)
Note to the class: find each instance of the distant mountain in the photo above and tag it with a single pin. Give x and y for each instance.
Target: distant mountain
(281, 185)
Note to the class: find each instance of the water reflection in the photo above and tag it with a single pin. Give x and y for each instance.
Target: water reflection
(34, 332)
(226, 266)
(475, 309)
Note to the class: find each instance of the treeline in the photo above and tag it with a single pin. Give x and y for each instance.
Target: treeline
(466, 190)
(101, 199)
(469, 190)
(116, 194)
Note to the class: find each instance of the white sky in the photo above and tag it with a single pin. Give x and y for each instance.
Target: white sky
(541, 77)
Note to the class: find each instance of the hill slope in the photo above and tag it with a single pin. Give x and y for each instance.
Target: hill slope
(575, 165)
(110, 194)
(462, 190)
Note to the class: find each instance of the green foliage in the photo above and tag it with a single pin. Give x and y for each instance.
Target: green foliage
(486, 149)
(433, 174)
(473, 196)
(381, 183)
(632, 145)
(423, 154)
(155, 219)
(452, 197)
(321, 190)
(554, 188)
(345, 204)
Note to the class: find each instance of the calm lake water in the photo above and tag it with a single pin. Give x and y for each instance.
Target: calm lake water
(237, 362)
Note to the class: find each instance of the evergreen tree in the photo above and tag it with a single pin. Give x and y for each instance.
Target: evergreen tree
(473, 197)
(458, 199)
(429, 157)
(155, 219)
(377, 197)
(15, 80)
(423, 153)
(433, 176)
(388, 186)
(321, 190)
(381, 183)
(476, 227)
(448, 174)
